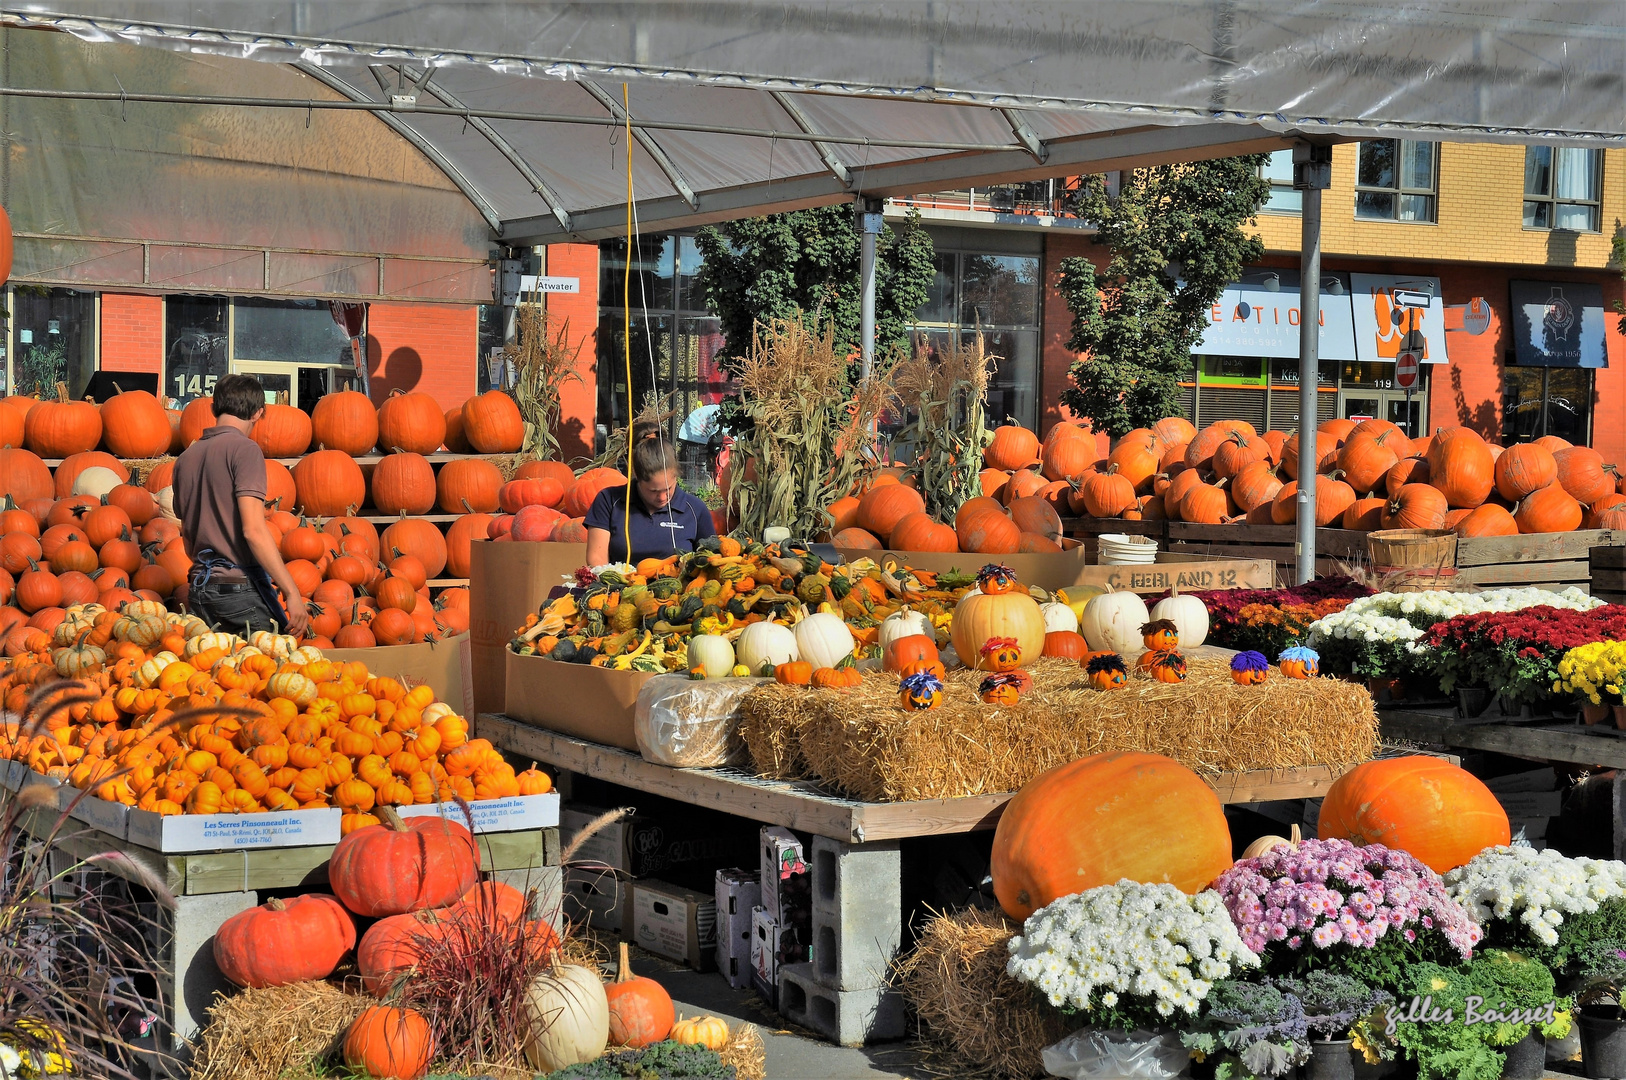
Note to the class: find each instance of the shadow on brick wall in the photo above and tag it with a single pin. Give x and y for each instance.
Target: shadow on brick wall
(403, 371)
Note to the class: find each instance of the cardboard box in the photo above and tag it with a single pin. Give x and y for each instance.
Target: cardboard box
(508, 581)
(765, 956)
(738, 891)
(592, 703)
(111, 818)
(444, 665)
(606, 848)
(1053, 571)
(233, 832)
(673, 922)
(784, 871)
(595, 897)
(514, 814)
(687, 844)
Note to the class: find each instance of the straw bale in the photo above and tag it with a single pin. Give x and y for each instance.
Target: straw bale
(860, 742)
(955, 981)
(746, 1053)
(262, 1034)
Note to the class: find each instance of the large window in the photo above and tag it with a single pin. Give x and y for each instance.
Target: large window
(1284, 198)
(1562, 188)
(1546, 401)
(999, 294)
(289, 331)
(1395, 180)
(197, 345)
(54, 338)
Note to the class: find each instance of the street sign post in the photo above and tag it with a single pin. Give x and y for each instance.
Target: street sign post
(1406, 378)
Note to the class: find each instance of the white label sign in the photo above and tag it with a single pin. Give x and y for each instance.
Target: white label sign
(531, 283)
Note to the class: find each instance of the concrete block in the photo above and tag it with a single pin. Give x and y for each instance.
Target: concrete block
(546, 884)
(189, 954)
(857, 912)
(847, 1017)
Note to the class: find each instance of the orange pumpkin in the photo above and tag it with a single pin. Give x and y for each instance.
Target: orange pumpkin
(283, 432)
(1550, 509)
(492, 424)
(1524, 468)
(794, 673)
(1067, 644)
(404, 484)
(901, 652)
(1106, 671)
(389, 1042)
(1438, 812)
(345, 421)
(883, 508)
(1012, 447)
(410, 422)
(134, 425)
(328, 483)
(1103, 818)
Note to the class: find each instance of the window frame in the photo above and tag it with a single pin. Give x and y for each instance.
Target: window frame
(1282, 188)
(1398, 190)
(1551, 199)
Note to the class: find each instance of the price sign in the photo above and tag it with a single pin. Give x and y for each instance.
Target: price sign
(1406, 370)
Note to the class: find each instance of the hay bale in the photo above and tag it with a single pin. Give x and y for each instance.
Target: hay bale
(746, 1053)
(860, 742)
(262, 1034)
(955, 981)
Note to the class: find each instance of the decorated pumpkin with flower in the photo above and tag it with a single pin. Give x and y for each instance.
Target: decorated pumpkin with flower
(1250, 668)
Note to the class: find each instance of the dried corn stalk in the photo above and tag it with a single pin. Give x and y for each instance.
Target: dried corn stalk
(947, 393)
(543, 364)
(809, 444)
(657, 409)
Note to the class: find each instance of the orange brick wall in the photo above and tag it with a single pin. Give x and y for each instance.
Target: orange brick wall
(579, 401)
(424, 347)
(132, 333)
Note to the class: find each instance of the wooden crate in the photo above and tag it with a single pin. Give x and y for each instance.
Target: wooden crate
(1543, 560)
(1278, 543)
(1608, 573)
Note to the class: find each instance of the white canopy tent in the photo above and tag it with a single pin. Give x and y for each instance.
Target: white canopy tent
(377, 148)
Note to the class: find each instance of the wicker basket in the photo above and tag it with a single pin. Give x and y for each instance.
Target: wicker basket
(1412, 549)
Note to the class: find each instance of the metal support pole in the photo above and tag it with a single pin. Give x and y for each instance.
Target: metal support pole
(1311, 173)
(869, 227)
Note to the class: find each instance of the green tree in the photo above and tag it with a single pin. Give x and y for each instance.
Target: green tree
(805, 264)
(1135, 321)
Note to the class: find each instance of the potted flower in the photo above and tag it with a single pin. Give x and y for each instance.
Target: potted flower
(1599, 1014)
(1250, 1029)
(1459, 1022)
(1130, 961)
(1333, 1005)
(1542, 904)
(1596, 674)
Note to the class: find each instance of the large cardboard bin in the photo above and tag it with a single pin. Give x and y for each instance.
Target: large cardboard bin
(443, 664)
(592, 703)
(508, 581)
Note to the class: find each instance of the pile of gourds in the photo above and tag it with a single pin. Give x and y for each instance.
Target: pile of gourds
(158, 711)
(735, 608)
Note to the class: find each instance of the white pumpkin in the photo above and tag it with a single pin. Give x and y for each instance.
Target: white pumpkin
(569, 1018)
(96, 480)
(1058, 616)
(902, 624)
(765, 645)
(1112, 623)
(824, 640)
(1186, 612)
(713, 653)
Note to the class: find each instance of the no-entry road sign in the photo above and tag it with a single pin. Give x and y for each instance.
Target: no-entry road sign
(1406, 370)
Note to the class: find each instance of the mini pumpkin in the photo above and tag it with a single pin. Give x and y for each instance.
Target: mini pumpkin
(1250, 668)
(1160, 634)
(934, 667)
(994, 579)
(1106, 671)
(794, 673)
(1164, 665)
(708, 1031)
(1002, 688)
(1299, 662)
(922, 690)
(1002, 654)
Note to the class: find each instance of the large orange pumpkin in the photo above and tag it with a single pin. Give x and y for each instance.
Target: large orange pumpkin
(856, 539)
(134, 425)
(883, 507)
(581, 492)
(328, 483)
(1365, 515)
(1100, 819)
(281, 493)
(1254, 485)
(1490, 519)
(1550, 509)
(1013, 447)
(1581, 472)
(283, 432)
(410, 422)
(1174, 430)
(459, 542)
(492, 423)
(24, 476)
(1136, 460)
(641, 1011)
(57, 429)
(468, 486)
(980, 616)
(1416, 506)
(387, 1042)
(456, 442)
(393, 945)
(541, 470)
(1523, 468)
(1106, 494)
(1442, 814)
(74, 464)
(1333, 498)
(196, 418)
(922, 532)
(1365, 458)
(404, 484)
(1462, 467)
(1068, 450)
(284, 941)
(399, 866)
(345, 421)
(982, 526)
(415, 536)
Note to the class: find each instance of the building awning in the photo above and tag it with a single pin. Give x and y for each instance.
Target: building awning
(319, 135)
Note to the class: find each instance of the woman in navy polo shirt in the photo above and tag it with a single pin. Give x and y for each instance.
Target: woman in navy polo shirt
(663, 518)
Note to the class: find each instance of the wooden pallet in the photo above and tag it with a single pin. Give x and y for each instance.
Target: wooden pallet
(1608, 573)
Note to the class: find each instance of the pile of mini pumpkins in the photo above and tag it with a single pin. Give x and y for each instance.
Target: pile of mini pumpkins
(419, 883)
(158, 711)
(1370, 475)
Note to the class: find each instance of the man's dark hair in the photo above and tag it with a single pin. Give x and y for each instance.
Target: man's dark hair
(241, 396)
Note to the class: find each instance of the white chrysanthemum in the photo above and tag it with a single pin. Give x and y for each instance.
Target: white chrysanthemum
(1538, 888)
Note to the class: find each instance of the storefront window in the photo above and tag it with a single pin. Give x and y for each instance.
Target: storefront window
(1369, 376)
(1285, 371)
(54, 331)
(1546, 401)
(1284, 199)
(1233, 370)
(1000, 295)
(652, 272)
(290, 331)
(196, 342)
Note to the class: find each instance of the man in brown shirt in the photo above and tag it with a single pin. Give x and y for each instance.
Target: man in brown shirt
(220, 498)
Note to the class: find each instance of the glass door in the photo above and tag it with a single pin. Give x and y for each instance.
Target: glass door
(1387, 405)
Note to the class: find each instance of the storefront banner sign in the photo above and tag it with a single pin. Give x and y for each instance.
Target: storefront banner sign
(1558, 324)
(1476, 316)
(1384, 315)
(1251, 320)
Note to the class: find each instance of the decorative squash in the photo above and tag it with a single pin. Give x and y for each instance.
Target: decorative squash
(901, 624)
(387, 1042)
(708, 1031)
(1299, 662)
(1438, 812)
(1189, 616)
(1112, 621)
(1103, 818)
(922, 690)
(1270, 843)
(396, 867)
(1058, 616)
(1106, 671)
(284, 941)
(570, 1018)
(1249, 668)
(1160, 634)
(641, 1011)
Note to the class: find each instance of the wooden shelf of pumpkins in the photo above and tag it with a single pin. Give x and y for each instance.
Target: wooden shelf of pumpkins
(61, 461)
